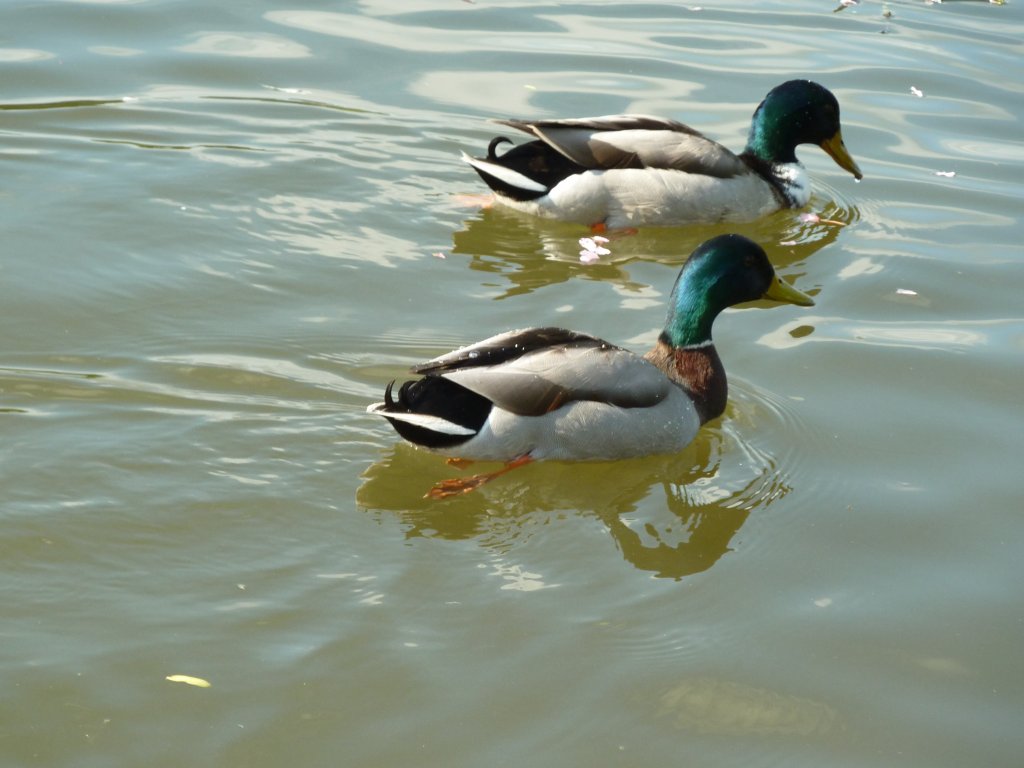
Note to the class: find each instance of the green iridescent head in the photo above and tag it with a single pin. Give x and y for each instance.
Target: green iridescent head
(798, 112)
(721, 272)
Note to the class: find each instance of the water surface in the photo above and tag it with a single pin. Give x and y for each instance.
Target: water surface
(224, 229)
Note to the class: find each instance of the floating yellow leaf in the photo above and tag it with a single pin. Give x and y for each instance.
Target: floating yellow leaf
(196, 681)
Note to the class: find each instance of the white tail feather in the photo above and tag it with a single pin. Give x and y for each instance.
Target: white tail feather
(510, 177)
(433, 423)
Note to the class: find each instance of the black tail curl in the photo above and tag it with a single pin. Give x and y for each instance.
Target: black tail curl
(491, 155)
(533, 159)
(436, 396)
(389, 401)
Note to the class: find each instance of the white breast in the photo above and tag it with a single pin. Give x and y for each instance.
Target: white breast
(586, 431)
(633, 197)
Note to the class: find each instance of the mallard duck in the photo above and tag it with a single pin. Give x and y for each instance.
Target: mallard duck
(550, 393)
(622, 171)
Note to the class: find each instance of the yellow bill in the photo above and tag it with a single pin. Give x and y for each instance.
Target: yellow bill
(836, 149)
(780, 291)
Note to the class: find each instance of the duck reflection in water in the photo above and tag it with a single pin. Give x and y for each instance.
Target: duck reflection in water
(708, 494)
(533, 254)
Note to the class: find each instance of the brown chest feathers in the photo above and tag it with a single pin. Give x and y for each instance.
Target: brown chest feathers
(699, 371)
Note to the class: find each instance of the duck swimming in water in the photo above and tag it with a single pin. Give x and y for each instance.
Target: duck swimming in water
(622, 171)
(550, 393)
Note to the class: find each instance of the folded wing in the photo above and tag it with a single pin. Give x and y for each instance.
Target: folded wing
(634, 141)
(536, 371)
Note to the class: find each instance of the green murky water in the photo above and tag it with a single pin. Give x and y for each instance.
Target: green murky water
(222, 226)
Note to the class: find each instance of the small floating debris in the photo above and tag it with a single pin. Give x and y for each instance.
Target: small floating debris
(813, 218)
(293, 91)
(946, 174)
(906, 292)
(593, 248)
(198, 682)
(438, 255)
(914, 90)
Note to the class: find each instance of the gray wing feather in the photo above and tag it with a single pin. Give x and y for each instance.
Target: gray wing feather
(540, 382)
(634, 141)
(506, 346)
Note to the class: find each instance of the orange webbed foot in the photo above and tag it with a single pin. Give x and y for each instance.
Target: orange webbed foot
(458, 485)
(600, 228)
(455, 486)
(482, 200)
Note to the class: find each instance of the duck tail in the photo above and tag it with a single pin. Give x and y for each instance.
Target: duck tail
(502, 178)
(433, 412)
